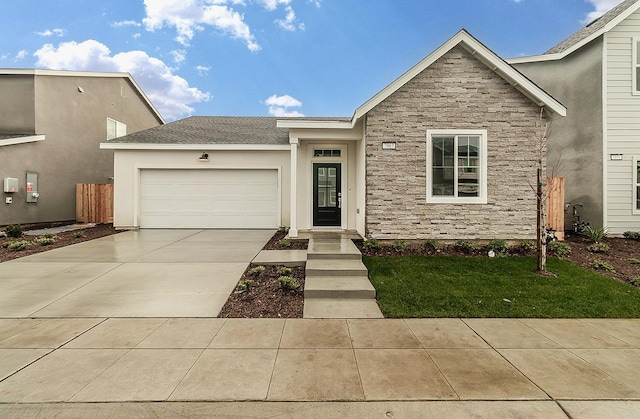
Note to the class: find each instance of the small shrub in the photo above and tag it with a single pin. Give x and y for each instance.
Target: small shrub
(635, 282)
(595, 234)
(432, 245)
(466, 246)
(559, 249)
(632, 235)
(78, 235)
(525, 246)
(497, 246)
(244, 286)
(45, 241)
(598, 264)
(598, 248)
(257, 270)
(399, 245)
(371, 244)
(634, 261)
(283, 229)
(287, 282)
(49, 236)
(17, 246)
(13, 230)
(285, 271)
(284, 243)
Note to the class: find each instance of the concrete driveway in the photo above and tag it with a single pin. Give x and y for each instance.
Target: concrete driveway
(146, 273)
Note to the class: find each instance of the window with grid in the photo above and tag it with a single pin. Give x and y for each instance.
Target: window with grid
(456, 166)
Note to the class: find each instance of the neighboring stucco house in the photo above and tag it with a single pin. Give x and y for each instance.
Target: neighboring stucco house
(446, 151)
(51, 125)
(595, 73)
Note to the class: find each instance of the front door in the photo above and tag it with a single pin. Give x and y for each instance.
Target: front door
(327, 196)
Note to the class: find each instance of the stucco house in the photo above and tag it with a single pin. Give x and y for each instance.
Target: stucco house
(446, 151)
(51, 125)
(595, 73)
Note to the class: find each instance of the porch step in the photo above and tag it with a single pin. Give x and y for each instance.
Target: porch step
(333, 249)
(335, 267)
(327, 308)
(339, 287)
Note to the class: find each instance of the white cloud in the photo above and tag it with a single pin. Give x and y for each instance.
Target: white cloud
(179, 55)
(279, 106)
(136, 35)
(203, 70)
(21, 55)
(190, 16)
(316, 2)
(273, 4)
(602, 7)
(170, 93)
(126, 23)
(288, 23)
(51, 32)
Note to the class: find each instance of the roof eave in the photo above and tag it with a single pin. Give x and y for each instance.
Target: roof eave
(188, 147)
(560, 55)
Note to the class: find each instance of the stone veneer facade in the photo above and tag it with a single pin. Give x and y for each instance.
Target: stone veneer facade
(456, 92)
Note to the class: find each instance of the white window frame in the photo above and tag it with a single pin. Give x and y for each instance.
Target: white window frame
(636, 182)
(482, 175)
(635, 65)
(120, 128)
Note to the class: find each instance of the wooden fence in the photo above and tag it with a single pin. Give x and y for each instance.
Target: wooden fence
(555, 205)
(94, 203)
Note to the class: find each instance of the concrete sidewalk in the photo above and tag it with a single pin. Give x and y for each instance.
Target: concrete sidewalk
(353, 368)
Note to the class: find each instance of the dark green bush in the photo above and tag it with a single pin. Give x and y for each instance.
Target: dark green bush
(632, 235)
(14, 230)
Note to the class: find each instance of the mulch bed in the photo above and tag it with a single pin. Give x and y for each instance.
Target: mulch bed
(280, 242)
(620, 253)
(265, 298)
(61, 239)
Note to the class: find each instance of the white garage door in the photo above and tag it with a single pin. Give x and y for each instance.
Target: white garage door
(209, 198)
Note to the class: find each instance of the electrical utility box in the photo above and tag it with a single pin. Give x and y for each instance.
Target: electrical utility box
(10, 184)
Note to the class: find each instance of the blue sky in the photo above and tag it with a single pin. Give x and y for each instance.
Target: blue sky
(270, 57)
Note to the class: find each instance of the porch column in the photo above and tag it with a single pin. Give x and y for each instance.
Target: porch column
(293, 211)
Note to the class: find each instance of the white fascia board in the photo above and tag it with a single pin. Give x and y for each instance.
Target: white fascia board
(316, 124)
(325, 134)
(539, 96)
(200, 147)
(22, 140)
(535, 58)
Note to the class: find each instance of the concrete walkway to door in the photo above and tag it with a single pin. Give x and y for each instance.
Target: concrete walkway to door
(146, 273)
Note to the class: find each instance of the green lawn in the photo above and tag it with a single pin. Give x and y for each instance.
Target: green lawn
(452, 286)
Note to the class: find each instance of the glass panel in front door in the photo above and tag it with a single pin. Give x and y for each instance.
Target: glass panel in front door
(326, 210)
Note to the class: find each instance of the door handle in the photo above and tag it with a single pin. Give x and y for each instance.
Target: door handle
(339, 200)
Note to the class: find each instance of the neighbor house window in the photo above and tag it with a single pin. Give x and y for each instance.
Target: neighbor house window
(636, 185)
(115, 129)
(636, 66)
(457, 166)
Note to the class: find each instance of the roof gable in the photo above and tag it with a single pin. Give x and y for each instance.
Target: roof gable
(592, 31)
(482, 53)
(69, 73)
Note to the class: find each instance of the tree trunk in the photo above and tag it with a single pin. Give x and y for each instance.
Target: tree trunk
(541, 227)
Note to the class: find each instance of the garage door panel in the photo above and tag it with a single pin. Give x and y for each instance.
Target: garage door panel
(217, 198)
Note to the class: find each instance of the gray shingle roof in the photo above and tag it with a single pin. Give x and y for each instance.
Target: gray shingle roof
(215, 130)
(592, 27)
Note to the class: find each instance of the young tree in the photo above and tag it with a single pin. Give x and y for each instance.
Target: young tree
(541, 194)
